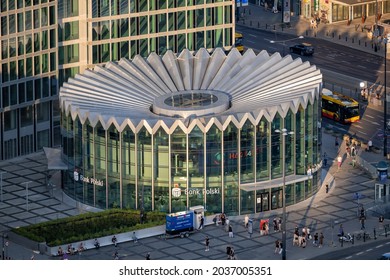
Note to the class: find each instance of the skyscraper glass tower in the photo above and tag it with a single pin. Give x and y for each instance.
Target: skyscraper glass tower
(44, 42)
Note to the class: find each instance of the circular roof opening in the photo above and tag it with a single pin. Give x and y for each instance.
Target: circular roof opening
(188, 103)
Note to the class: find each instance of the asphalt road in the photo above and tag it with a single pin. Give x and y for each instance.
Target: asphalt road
(370, 251)
(328, 55)
(333, 59)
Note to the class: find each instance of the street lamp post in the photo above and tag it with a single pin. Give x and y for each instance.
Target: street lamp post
(27, 183)
(283, 42)
(284, 133)
(385, 103)
(1, 184)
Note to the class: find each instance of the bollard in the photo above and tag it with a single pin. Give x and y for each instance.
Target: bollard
(327, 188)
(364, 236)
(374, 233)
(258, 24)
(386, 226)
(353, 239)
(339, 36)
(332, 34)
(359, 42)
(353, 40)
(250, 23)
(346, 38)
(342, 241)
(266, 26)
(274, 27)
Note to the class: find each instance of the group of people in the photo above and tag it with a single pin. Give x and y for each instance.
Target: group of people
(300, 239)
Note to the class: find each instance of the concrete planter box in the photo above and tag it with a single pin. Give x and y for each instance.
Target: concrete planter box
(106, 240)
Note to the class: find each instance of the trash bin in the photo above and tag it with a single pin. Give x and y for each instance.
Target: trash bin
(382, 170)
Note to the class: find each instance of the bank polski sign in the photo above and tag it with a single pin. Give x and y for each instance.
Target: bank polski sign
(177, 192)
(77, 177)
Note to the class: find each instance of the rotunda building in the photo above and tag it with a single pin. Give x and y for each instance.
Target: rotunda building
(170, 132)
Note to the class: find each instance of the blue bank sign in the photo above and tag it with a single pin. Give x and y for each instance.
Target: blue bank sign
(240, 3)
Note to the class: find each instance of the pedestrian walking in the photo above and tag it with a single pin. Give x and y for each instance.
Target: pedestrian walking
(201, 223)
(280, 247)
(277, 247)
(114, 240)
(134, 237)
(207, 243)
(147, 257)
(362, 220)
(315, 241)
(381, 220)
(275, 223)
(280, 224)
(339, 161)
(369, 145)
(321, 240)
(231, 231)
(116, 255)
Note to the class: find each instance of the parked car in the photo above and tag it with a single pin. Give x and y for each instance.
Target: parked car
(302, 49)
(385, 256)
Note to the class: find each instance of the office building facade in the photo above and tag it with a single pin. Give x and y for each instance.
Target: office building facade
(44, 42)
(174, 131)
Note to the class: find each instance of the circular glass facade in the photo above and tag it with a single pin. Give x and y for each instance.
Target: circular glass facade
(210, 139)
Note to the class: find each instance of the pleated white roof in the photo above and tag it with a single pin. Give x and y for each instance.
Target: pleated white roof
(123, 93)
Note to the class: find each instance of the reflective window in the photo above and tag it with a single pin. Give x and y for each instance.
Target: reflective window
(231, 154)
(161, 170)
(195, 165)
(247, 152)
(262, 143)
(276, 147)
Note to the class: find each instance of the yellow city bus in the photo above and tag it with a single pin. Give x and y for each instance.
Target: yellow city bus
(238, 42)
(338, 107)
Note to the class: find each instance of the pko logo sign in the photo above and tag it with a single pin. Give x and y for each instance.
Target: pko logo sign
(176, 192)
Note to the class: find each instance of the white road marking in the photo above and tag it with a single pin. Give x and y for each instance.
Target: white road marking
(369, 116)
(375, 123)
(361, 66)
(355, 125)
(368, 250)
(359, 253)
(251, 41)
(348, 257)
(253, 35)
(379, 246)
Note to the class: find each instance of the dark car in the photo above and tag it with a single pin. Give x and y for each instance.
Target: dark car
(302, 49)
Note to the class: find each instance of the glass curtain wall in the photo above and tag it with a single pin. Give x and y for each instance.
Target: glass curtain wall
(195, 165)
(231, 153)
(161, 170)
(172, 172)
(144, 169)
(213, 174)
(178, 169)
(128, 165)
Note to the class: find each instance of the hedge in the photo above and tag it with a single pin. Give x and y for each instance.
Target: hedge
(89, 226)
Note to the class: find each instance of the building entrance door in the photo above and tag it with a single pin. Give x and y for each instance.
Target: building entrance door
(262, 201)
